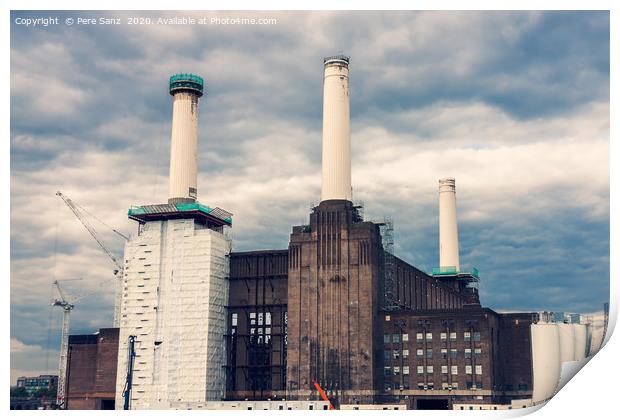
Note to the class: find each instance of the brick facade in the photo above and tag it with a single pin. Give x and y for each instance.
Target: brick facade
(333, 302)
(256, 364)
(91, 370)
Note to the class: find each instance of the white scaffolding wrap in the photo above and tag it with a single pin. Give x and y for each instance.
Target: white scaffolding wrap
(174, 295)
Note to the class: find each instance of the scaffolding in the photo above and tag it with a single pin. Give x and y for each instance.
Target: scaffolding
(390, 301)
(174, 295)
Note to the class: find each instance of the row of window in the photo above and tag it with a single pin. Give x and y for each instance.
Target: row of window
(454, 370)
(388, 386)
(428, 353)
(396, 338)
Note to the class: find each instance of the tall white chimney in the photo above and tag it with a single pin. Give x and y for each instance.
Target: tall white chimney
(448, 231)
(336, 183)
(185, 90)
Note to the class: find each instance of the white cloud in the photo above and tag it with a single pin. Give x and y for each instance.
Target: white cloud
(19, 347)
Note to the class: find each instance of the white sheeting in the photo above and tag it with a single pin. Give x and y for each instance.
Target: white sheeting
(174, 296)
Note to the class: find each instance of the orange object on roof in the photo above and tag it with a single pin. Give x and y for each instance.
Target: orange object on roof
(322, 393)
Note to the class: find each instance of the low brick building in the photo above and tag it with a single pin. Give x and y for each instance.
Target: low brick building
(91, 370)
(433, 359)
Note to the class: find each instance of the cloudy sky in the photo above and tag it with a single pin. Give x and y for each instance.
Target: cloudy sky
(515, 106)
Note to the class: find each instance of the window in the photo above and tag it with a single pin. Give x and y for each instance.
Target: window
(444, 369)
(396, 354)
(453, 336)
(395, 338)
(429, 336)
(429, 369)
(405, 370)
(386, 355)
(467, 335)
(431, 385)
(468, 369)
(387, 371)
(233, 321)
(386, 338)
(405, 353)
(468, 353)
(420, 385)
(455, 385)
(387, 317)
(444, 353)
(444, 385)
(420, 370)
(454, 370)
(443, 336)
(419, 353)
(387, 386)
(419, 336)
(260, 318)
(479, 385)
(476, 336)
(453, 353)
(478, 369)
(396, 370)
(405, 338)
(478, 352)
(429, 353)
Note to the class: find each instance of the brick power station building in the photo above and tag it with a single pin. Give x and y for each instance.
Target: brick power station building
(290, 322)
(336, 307)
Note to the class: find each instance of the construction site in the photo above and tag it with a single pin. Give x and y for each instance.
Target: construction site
(332, 320)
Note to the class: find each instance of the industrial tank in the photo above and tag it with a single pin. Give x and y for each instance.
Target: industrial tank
(546, 360)
(581, 337)
(567, 342)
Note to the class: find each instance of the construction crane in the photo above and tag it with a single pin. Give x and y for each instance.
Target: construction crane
(118, 270)
(67, 304)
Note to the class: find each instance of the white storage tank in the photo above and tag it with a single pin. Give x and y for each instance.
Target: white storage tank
(546, 360)
(581, 337)
(567, 342)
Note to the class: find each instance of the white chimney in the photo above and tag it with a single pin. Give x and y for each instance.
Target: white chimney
(185, 90)
(336, 183)
(448, 231)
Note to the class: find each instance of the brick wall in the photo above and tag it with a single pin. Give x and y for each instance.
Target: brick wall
(91, 369)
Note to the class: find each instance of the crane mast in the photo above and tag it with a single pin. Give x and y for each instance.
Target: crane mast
(118, 271)
(64, 345)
